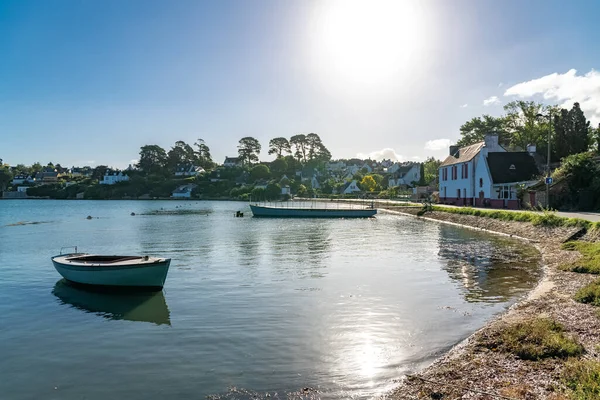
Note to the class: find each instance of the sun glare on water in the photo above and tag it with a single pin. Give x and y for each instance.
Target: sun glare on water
(368, 42)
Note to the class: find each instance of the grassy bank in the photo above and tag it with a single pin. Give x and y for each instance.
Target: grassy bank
(545, 219)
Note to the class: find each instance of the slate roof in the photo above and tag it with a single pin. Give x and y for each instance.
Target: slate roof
(512, 167)
(465, 154)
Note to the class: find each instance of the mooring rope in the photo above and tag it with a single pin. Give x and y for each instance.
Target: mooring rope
(461, 387)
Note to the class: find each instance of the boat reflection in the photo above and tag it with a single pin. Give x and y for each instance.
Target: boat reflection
(130, 306)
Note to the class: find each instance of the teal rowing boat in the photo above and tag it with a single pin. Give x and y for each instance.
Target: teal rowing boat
(299, 212)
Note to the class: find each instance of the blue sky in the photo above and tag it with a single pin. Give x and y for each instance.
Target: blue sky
(89, 82)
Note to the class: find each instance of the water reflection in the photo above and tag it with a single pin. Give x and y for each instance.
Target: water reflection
(488, 269)
(138, 306)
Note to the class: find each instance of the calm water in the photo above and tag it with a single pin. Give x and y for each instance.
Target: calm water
(345, 306)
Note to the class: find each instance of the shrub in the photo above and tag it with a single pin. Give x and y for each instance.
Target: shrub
(589, 261)
(589, 294)
(582, 377)
(536, 339)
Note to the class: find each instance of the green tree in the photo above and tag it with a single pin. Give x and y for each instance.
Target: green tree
(430, 169)
(300, 145)
(248, 149)
(5, 177)
(153, 159)
(99, 172)
(523, 124)
(202, 153)
(301, 192)
(596, 138)
(259, 171)
(279, 166)
(368, 184)
(474, 131)
(273, 191)
(422, 181)
(278, 146)
(181, 153)
(571, 132)
(316, 149)
(36, 167)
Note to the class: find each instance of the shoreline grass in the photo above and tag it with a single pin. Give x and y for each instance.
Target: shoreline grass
(546, 218)
(582, 377)
(534, 340)
(589, 294)
(589, 262)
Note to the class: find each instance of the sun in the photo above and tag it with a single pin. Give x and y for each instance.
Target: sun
(366, 42)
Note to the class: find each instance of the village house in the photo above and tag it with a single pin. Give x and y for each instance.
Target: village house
(111, 177)
(404, 174)
(231, 162)
(20, 179)
(349, 188)
(46, 176)
(485, 174)
(336, 166)
(261, 184)
(183, 192)
(188, 170)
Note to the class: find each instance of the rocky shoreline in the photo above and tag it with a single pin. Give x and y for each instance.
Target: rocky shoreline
(473, 371)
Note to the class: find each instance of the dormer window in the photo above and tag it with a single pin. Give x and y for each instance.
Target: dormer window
(512, 167)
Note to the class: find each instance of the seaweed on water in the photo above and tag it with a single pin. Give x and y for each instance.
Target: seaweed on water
(22, 223)
(177, 212)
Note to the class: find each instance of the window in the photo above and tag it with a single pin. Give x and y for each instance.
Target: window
(466, 171)
(458, 193)
(464, 193)
(480, 182)
(505, 192)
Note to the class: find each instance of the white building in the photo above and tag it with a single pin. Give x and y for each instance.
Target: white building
(285, 189)
(20, 179)
(112, 177)
(188, 170)
(404, 174)
(232, 162)
(485, 174)
(314, 183)
(183, 192)
(336, 166)
(351, 187)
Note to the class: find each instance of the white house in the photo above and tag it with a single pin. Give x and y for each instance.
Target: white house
(232, 162)
(351, 170)
(261, 184)
(405, 174)
(112, 177)
(485, 174)
(351, 187)
(188, 170)
(20, 179)
(285, 189)
(367, 166)
(183, 192)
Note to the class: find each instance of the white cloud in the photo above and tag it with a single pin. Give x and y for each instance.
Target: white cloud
(416, 158)
(91, 162)
(134, 161)
(491, 101)
(566, 89)
(379, 155)
(464, 105)
(437, 144)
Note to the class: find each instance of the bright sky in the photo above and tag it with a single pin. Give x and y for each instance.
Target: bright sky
(89, 82)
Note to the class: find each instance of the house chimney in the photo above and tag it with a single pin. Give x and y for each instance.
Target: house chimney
(531, 149)
(454, 150)
(491, 141)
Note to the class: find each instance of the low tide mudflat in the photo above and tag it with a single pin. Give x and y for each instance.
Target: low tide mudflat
(342, 306)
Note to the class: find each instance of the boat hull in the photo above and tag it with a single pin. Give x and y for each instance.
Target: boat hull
(275, 212)
(149, 276)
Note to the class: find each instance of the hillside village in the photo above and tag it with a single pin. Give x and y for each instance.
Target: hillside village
(499, 162)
